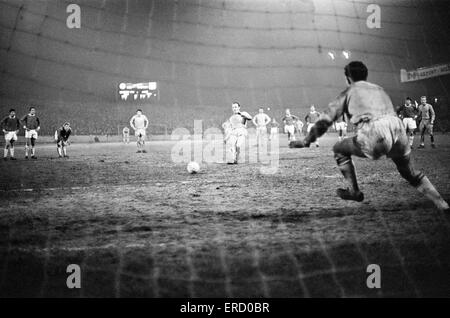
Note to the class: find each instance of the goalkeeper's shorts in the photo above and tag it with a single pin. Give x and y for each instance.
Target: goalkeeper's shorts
(385, 135)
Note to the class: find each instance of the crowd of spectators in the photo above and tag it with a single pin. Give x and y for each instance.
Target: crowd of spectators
(110, 118)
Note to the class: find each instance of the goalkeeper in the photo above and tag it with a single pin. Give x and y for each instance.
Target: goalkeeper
(379, 132)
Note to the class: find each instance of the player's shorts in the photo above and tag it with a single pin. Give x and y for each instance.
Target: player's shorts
(289, 129)
(382, 136)
(62, 142)
(140, 132)
(32, 133)
(425, 125)
(10, 135)
(341, 126)
(274, 130)
(410, 123)
(238, 132)
(261, 130)
(299, 127)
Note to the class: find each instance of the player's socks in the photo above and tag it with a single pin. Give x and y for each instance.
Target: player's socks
(428, 190)
(11, 152)
(411, 140)
(345, 165)
(5, 153)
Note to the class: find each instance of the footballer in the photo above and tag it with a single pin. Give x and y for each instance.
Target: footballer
(408, 113)
(379, 132)
(126, 135)
(341, 127)
(139, 124)
(273, 129)
(427, 117)
(32, 125)
(238, 133)
(261, 120)
(62, 135)
(289, 124)
(311, 119)
(10, 126)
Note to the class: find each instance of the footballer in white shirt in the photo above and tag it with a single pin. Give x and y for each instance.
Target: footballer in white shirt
(139, 124)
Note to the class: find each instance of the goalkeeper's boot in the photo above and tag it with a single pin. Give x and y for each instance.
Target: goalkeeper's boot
(346, 194)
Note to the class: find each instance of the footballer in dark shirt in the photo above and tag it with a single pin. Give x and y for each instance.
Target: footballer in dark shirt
(408, 113)
(62, 135)
(10, 126)
(32, 125)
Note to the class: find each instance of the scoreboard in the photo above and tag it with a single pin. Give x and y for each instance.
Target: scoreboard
(138, 91)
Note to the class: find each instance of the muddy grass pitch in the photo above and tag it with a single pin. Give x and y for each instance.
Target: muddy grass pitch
(139, 225)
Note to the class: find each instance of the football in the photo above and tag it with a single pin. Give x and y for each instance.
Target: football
(193, 167)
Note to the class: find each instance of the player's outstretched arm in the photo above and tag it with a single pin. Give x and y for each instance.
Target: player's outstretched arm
(319, 128)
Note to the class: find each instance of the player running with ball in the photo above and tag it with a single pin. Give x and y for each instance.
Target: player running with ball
(378, 132)
(238, 133)
(139, 123)
(62, 135)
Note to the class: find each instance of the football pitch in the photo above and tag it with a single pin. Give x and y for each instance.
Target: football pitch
(139, 225)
